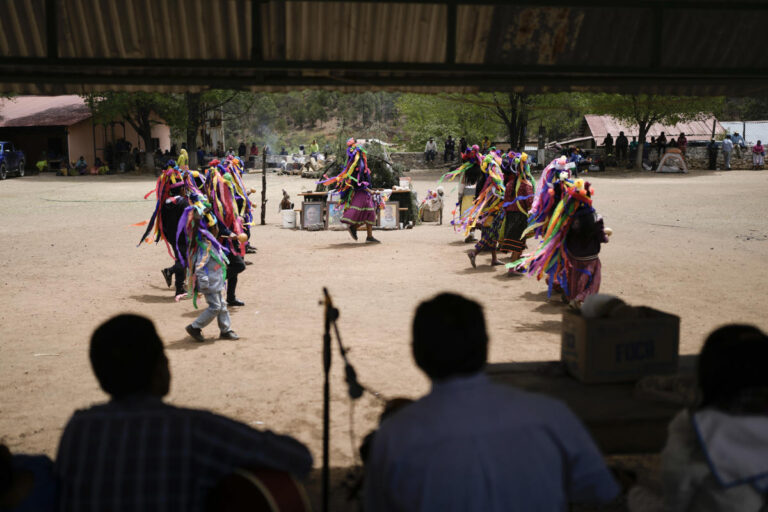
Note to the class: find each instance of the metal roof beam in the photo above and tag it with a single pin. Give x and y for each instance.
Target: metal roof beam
(231, 67)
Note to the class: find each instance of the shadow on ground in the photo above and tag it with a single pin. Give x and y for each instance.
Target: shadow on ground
(153, 299)
(551, 326)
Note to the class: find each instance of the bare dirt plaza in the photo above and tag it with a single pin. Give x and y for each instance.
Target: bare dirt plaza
(695, 245)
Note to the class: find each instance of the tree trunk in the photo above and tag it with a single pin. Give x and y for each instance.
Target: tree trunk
(194, 122)
(640, 147)
(148, 166)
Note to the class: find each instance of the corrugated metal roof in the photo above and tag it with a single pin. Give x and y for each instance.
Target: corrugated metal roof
(600, 126)
(42, 111)
(752, 131)
(170, 45)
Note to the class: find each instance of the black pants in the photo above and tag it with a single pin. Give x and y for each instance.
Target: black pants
(178, 271)
(448, 155)
(621, 153)
(236, 265)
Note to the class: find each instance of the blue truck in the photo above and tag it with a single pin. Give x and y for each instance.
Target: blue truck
(11, 160)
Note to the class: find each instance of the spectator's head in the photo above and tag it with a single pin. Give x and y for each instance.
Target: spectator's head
(431, 139)
(728, 137)
(733, 368)
(449, 337)
(759, 142)
(634, 139)
(682, 134)
(609, 135)
(735, 134)
(128, 359)
(82, 157)
(621, 134)
(662, 133)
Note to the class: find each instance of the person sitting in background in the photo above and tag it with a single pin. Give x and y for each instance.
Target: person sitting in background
(430, 150)
(254, 149)
(758, 155)
(99, 167)
(738, 144)
(42, 164)
(716, 455)
(136, 452)
(450, 150)
(27, 482)
(473, 445)
(283, 151)
(81, 165)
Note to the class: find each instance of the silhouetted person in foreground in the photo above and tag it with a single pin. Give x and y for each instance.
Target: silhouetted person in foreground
(473, 445)
(136, 452)
(27, 483)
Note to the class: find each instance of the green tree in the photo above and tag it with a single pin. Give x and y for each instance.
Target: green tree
(425, 116)
(142, 110)
(645, 110)
(746, 109)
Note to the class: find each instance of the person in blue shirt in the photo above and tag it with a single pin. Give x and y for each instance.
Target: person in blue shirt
(470, 444)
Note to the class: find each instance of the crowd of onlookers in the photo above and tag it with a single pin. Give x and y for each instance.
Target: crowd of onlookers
(449, 148)
(469, 444)
(625, 151)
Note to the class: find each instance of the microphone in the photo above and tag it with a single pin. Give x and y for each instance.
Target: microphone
(355, 390)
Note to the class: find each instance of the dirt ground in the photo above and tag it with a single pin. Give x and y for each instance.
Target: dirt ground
(695, 245)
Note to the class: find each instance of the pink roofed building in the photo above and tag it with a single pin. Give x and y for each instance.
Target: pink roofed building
(61, 127)
(594, 129)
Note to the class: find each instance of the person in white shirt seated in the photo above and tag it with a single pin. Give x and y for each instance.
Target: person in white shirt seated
(473, 445)
(716, 456)
(430, 150)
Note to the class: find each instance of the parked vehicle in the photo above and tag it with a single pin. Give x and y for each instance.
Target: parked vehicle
(11, 160)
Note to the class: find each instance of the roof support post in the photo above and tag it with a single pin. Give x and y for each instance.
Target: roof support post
(657, 48)
(450, 33)
(51, 30)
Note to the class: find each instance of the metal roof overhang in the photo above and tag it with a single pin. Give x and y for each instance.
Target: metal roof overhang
(683, 47)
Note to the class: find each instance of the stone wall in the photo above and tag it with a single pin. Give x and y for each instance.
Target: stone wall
(695, 158)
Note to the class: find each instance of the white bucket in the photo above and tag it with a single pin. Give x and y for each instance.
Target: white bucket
(289, 219)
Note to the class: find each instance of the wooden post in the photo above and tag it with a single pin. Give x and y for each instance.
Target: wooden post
(263, 186)
(714, 125)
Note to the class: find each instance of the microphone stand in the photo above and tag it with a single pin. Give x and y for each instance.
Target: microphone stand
(331, 314)
(354, 388)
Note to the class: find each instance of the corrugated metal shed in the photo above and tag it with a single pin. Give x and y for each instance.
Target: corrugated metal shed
(173, 45)
(752, 131)
(599, 126)
(42, 111)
